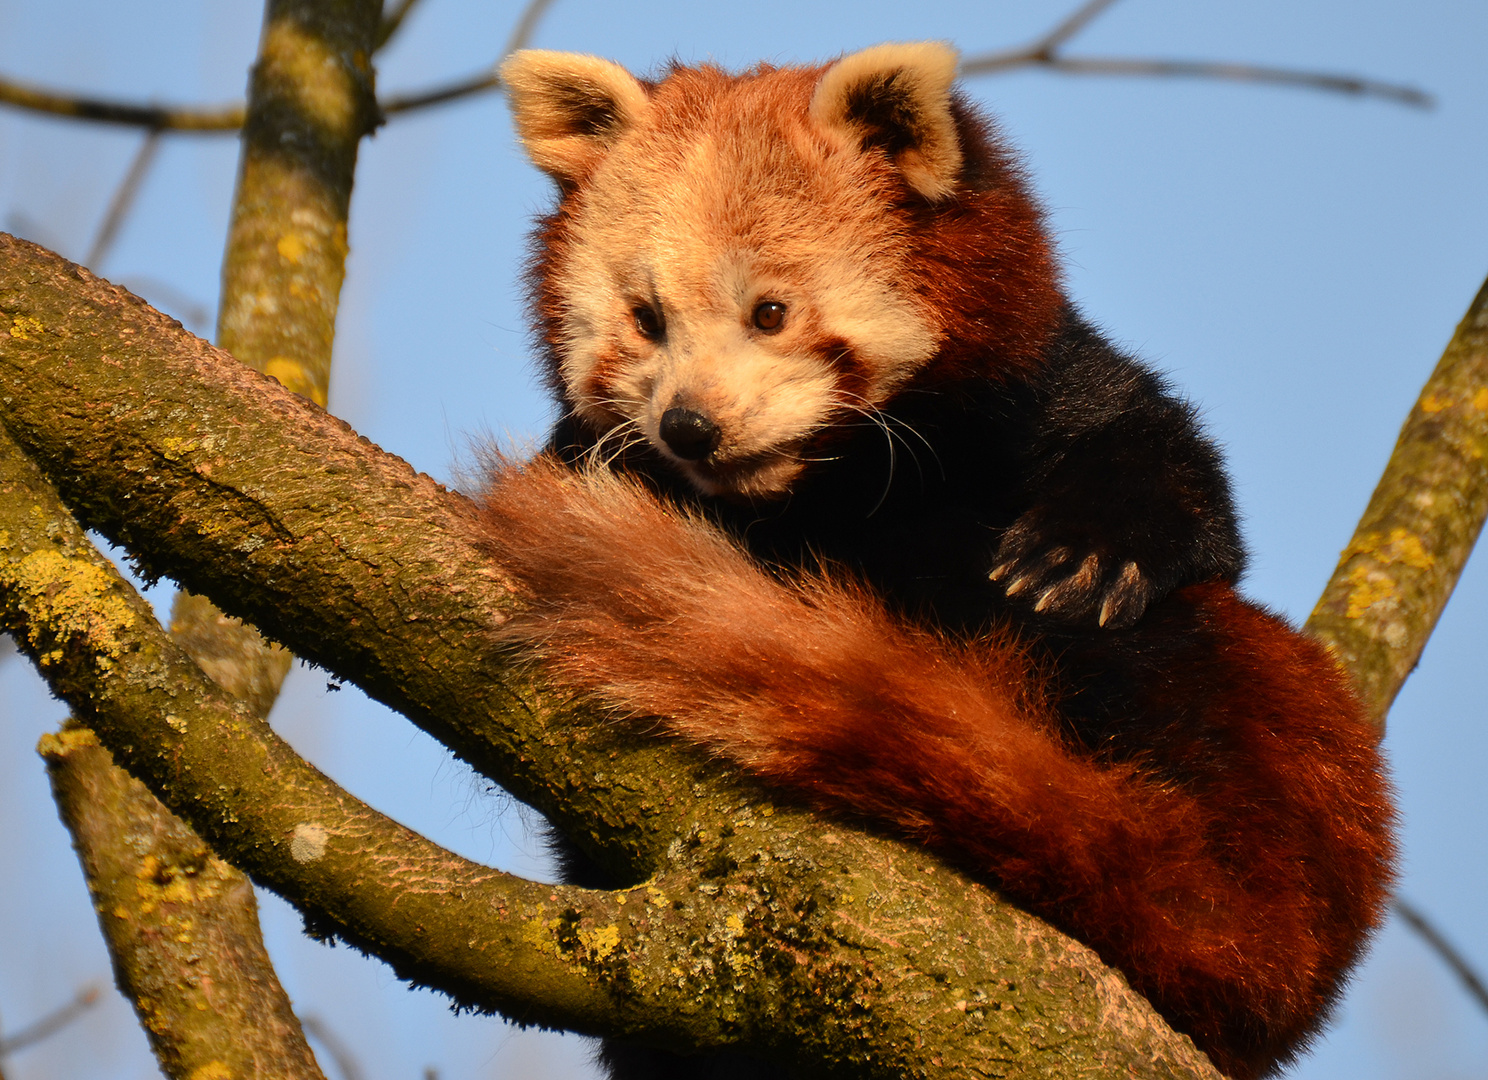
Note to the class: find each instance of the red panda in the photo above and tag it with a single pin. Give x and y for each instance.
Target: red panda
(845, 489)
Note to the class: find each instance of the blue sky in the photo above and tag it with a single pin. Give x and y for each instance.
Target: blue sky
(1294, 260)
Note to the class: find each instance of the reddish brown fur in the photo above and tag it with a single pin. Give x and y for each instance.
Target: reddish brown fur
(1233, 900)
(982, 261)
(1206, 809)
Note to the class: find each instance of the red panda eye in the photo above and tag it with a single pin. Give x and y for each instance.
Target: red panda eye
(648, 322)
(769, 316)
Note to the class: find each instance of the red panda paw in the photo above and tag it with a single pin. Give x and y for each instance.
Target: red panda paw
(1070, 583)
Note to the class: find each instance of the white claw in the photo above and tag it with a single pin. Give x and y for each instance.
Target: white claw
(1000, 572)
(1018, 585)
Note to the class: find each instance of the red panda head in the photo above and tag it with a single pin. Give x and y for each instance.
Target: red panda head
(741, 263)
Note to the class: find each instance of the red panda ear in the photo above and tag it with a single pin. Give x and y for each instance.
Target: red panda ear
(897, 98)
(570, 108)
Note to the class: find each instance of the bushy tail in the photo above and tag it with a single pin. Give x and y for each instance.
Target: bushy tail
(1197, 892)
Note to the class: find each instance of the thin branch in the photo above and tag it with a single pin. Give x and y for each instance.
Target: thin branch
(346, 1061)
(1044, 52)
(52, 1023)
(123, 200)
(1077, 21)
(1352, 85)
(521, 35)
(1471, 981)
(526, 26)
(392, 21)
(218, 119)
(478, 83)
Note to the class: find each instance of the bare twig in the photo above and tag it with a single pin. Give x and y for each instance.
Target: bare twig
(392, 21)
(1471, 981)
(480, 82)
(461, 88)
(52, 1023)
(526, 26)
(1044, 52)
(346, 1061)
(1203, 69)
(1071, 26)
(217, 119)
(123, 199)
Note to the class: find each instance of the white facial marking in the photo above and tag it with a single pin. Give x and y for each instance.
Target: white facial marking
(703, 232)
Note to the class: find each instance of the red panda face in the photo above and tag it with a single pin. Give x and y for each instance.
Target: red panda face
(731, 272)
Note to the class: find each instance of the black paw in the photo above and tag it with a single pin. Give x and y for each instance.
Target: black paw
(1070, 582)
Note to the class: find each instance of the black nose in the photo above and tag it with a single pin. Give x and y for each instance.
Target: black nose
(690, 435)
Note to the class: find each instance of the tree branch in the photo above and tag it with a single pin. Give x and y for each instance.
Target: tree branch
(181, 924)
(1398, 571)
(49, 1024)
(1045, 52)
(123, 200)
(811, 944)
(1444, 949)
(392, 21)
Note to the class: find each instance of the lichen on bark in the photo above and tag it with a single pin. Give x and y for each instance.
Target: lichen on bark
(1398, 571)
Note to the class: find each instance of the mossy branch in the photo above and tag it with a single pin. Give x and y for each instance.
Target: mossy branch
(181, 924)
(1400, 568)
(820, 946)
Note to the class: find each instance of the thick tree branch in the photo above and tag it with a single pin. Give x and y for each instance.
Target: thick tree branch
(1395, 576)
(805, 943)
(310, 102)
(181, 924)
(844, 949)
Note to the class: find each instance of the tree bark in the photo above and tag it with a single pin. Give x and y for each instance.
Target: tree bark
(1398, 571)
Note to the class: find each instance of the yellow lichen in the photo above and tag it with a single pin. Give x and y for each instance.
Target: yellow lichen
(1367, 589)
(1480, 400)
(58, 744)
(212, 1070)
(67, 600)
(291, 247)
(174, 448)
(601, 941)
(24, 327)
(1401, 546)
(294, 376)
(324, 89)
(1434, 403)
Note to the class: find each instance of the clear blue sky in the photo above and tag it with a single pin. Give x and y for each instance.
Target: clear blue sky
(1296, 261)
